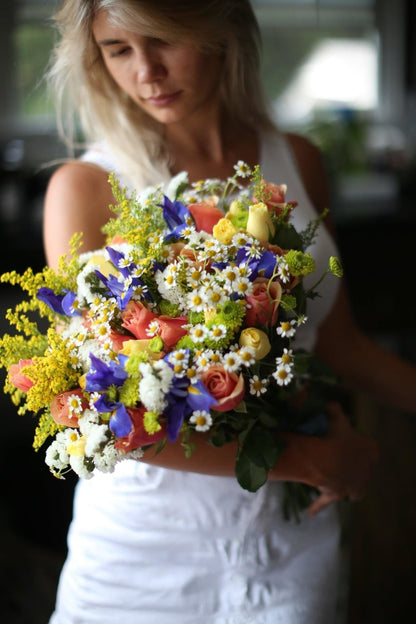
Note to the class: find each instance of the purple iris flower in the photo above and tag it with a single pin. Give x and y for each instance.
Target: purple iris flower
(116, 257)
(183, 398)
(115, 288)
(61, 304)
(265, 264)
(177, 217)
(102, 375)
(99, 379)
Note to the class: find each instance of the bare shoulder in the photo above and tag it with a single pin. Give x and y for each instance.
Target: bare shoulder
(311, 168)
(77, 200)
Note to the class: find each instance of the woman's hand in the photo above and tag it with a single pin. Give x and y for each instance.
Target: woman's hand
(346, 463)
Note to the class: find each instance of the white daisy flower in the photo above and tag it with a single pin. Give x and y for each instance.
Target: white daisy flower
(283, 375)
(258, 386)
(198, 332)
(74, 405)
(247, 356)
(286, 329)
(153, 328)
(201, 419)
(196, 300)
(217, 332)
(286, 358)
(231, 361)
(283, 271)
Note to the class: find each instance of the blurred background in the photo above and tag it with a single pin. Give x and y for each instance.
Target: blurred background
(342, 72)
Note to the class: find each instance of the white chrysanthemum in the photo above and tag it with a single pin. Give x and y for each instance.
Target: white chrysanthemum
(283, 375)
(286, 329)
(75, 329)
(201, 419)
(56, 456)
(106, 460)
(164, 373)
(174, 293)
(95, 347)
(85, 293)
(135, 454)
(90, 417)
(77, 463)
(151, 394)
(258, 386)
(96, 440)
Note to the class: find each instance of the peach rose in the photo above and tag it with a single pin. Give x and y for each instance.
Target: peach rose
(17, 378)
(205, 215)
(276, 200)
(227, 388)
(138, 435)
(61, 410)
(263, 302)
(117, 340)
(136, 318)
(170, 329)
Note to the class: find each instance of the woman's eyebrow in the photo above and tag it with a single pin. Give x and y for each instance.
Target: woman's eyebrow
(109, 42)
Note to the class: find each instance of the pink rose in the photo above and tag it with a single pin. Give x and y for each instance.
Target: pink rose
(138, 435)
(227, 388)
(61, 410)
(263, 303)
(276, 201)
(18, 379)
(205, 215)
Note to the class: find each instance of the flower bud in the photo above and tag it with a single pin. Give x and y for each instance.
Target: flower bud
(260, 224)
(257, 340)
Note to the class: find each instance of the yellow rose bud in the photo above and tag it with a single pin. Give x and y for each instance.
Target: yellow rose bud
(224, 231)
(105, 267)
(77, 446)
(236, 206)
(260, 224)
(255, 339)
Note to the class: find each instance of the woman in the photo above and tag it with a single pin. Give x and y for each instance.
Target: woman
(162, 87)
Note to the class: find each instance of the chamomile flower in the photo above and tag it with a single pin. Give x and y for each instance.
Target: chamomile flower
(246, 355)
(283, 272)
(74, 406)
(196, 300)
(283, 375)
(286, 358)
(258, 386)
(242, 169)
(287, 329)
(218, 332)
(201, 419)
(231, 361)
(179, 361)
(153, 328)
(203, 361)
(243, 286)
(198, 333)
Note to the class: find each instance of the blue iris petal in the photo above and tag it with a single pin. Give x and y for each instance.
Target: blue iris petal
(116, 257)
(67, 303)
(53, 301)
(116, 289)
(183, 398)
(104, 375)
(120, 422)
(199, 398)
(175, 213)
(265, 264)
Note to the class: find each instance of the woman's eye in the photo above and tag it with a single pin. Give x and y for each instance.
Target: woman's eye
(119, 52)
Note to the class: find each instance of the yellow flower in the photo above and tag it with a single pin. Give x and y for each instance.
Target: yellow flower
(224, 231)
(106, 268)
(77, 445)
(255, 339)
(260, 224)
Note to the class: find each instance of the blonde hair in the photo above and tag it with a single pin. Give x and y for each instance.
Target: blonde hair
(86, 93)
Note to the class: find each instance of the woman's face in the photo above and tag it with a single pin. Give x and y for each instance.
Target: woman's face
(171, 82)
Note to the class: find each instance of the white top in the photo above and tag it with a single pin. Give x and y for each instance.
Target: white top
(149, 545)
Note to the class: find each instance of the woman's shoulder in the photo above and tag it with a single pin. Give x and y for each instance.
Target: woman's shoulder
(80, 178)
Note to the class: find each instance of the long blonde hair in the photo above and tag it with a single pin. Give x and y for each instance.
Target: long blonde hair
(87, 94)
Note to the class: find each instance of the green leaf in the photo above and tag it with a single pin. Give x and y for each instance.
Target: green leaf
(260, 446)
(287, 237)
(249, 476)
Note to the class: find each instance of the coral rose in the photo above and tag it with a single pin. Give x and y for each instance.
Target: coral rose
(205, 215)
(138, 435)
(136, 318)
(171, 330)
(227, 388)
(17, 378)
(263, 302)
(61, 410)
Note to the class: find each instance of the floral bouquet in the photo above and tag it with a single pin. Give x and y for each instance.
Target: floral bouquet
(183, 325)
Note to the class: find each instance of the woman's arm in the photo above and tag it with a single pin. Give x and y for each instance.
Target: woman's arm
(77, 200)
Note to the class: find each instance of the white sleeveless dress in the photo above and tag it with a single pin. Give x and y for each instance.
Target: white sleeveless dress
(148, 545)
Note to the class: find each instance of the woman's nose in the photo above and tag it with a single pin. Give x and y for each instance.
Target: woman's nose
(149, 67)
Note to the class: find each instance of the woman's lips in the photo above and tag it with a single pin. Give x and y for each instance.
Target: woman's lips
(163, 100)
